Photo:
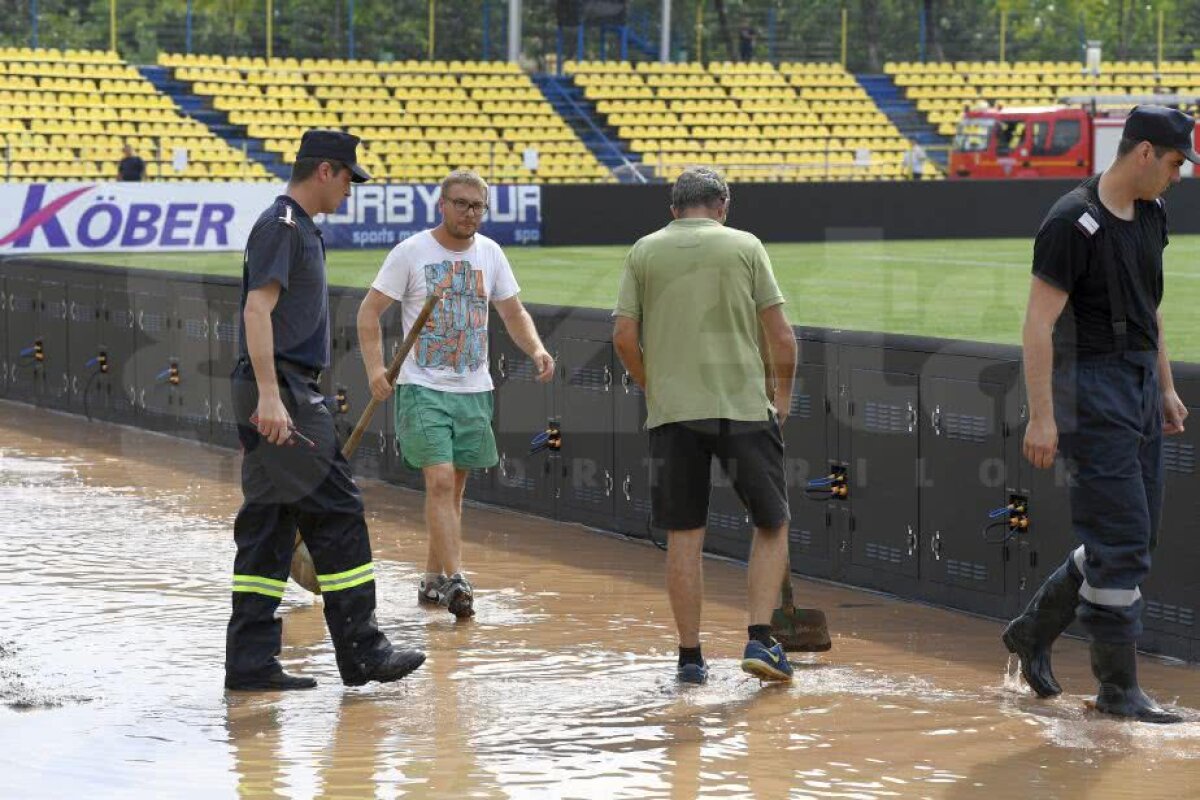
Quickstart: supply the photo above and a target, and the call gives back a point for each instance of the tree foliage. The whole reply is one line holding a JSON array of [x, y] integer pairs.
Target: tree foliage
[[878, 30]]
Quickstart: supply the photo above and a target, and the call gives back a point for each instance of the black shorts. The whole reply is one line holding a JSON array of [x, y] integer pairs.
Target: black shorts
[[750, 454]]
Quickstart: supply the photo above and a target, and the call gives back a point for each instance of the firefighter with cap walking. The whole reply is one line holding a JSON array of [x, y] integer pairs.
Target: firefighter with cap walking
[[1100, 392], [293, 474]]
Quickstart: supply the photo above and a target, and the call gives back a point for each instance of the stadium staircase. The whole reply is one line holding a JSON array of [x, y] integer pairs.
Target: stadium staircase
[[201, 110], [904, 115], [569, 103], [643, 32]]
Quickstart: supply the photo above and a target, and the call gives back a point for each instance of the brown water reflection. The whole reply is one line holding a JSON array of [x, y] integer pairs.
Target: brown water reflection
[[114, 583]]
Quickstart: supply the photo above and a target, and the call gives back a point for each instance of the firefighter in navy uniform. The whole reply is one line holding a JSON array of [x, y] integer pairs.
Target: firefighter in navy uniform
[[1100, 390], [293, 474]]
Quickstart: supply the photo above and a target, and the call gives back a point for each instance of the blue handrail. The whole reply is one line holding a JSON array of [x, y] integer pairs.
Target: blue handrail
[[588, 119]]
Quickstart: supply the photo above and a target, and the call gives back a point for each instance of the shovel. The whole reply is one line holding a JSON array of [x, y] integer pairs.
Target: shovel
[[799, 630], [303, 571]]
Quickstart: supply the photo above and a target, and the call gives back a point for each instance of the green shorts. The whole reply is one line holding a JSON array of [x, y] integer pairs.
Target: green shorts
[[435, 427]]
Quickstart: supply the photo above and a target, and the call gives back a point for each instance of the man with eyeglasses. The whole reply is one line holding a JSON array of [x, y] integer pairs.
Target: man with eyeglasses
[[444, 390]]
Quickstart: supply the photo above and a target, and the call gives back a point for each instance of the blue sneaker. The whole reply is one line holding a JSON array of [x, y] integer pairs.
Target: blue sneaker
[[766, 663], [692, 673]]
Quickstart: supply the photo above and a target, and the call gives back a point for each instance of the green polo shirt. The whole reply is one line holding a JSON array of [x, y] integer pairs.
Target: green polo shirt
[[697, 287]]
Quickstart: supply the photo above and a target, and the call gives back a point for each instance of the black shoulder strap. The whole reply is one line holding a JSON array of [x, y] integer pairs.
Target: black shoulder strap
[[1089, 223]]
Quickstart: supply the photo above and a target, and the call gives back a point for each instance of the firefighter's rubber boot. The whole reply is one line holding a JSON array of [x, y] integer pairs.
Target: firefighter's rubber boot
[[1115, 665], [392, 667], [1031, 635]]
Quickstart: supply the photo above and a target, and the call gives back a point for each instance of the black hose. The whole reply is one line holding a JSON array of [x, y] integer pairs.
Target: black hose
[[1010, 534], [87, 388]]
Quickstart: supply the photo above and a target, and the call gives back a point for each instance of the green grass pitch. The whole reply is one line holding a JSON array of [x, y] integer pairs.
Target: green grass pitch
[[959, 289]]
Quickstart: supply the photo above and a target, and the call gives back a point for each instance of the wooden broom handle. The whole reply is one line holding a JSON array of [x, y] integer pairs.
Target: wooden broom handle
[[392, 371]]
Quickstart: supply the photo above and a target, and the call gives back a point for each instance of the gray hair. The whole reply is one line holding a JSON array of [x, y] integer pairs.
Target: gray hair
[[699, 186], [464, 177]]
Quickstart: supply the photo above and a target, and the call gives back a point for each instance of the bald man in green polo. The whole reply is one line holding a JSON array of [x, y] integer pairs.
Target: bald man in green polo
[[692, 302]]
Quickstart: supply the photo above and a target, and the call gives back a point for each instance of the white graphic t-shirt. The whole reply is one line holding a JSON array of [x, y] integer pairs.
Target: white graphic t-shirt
[[451, 354]]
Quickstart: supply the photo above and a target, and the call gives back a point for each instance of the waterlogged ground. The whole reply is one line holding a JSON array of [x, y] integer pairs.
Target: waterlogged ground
[[114, 586]]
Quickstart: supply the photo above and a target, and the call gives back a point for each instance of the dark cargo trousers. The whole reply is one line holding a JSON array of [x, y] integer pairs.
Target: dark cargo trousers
[[1109, 414], [310, 489]]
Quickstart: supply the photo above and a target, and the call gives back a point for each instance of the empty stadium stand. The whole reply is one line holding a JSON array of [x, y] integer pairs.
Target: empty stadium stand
[[65, 115], [418, 119], [796, 122], [943, 90]]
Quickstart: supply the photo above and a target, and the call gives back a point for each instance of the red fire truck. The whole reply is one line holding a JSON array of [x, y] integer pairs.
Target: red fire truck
[[1067, 141]]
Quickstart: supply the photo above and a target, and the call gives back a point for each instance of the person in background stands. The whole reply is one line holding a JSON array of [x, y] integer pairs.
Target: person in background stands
[[131, 168], [747, 35]]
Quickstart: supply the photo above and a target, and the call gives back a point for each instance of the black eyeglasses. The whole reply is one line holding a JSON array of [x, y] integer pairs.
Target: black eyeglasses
[[463, 206]]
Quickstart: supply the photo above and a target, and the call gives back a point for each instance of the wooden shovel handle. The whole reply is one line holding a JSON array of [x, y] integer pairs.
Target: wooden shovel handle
[[788, 602]]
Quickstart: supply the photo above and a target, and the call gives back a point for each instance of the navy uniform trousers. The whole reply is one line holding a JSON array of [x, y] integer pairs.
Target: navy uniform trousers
[[1109, 414], [290, 488]]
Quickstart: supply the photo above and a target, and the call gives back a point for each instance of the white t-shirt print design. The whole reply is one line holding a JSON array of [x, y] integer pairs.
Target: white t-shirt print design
[[451, 353], [456, 336]]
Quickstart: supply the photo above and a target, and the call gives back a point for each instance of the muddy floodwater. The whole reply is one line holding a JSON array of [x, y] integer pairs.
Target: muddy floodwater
[[114, 587]]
